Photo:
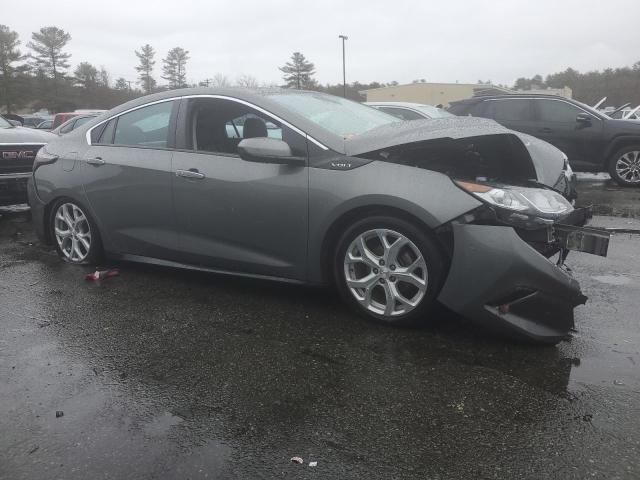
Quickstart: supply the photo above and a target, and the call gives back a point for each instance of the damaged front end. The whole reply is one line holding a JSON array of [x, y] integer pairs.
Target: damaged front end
[[508, 256], [503, 271]]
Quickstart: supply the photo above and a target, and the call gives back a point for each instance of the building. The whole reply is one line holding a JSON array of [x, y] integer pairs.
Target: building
[[445, 93], [431, 93]]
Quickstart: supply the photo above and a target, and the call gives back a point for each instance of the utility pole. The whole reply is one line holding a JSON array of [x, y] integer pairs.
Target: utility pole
[[344, 73], [206, 82], [129, 83]]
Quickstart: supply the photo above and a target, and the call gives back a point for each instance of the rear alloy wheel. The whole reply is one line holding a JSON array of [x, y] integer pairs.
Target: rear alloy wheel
[[388, 270], [625, 166], [75, 235]]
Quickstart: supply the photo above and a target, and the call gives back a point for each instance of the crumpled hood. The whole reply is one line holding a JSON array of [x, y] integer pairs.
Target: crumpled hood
[[400, 133], [25, 135], [547, 159]]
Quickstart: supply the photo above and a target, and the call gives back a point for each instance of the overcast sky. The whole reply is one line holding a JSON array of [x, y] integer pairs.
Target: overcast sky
[[441, 41]]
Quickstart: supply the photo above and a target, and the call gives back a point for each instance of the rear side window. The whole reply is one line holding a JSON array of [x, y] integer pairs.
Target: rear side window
[[509, 110], [557, 111], [402, 113], [144, 127]]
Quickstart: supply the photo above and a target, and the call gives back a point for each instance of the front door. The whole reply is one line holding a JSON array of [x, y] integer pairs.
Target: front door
[[127, 180], [232, 214]]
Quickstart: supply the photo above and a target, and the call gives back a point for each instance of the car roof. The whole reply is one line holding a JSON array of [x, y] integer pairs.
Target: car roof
[[400, 104], [258, 97]]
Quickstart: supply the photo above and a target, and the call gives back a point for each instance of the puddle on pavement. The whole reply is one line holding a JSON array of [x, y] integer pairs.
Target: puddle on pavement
[[613, 279], [162, 424]]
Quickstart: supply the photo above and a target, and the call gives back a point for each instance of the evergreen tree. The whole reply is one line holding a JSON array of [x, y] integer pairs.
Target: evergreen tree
[[145, 68], [298, 73], [48, 44], [174, 68], [86, 75], [121, 84], [9, 55]]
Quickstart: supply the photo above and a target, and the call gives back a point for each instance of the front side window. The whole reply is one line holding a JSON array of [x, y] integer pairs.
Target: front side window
[[510, 110], [339, 116], [144, 127], [402, 113], [219, 125], [557, 111]]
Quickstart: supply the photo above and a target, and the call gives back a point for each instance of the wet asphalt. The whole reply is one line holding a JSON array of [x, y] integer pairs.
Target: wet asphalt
[[161, 373]]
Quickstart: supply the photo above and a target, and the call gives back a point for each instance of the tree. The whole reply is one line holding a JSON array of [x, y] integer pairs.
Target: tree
[[9, 55], [298, 73], [86, 75], [220, 80], [247, 81], [104, 79], [145, 68], [174, 68], [121, 84], [47, 45]]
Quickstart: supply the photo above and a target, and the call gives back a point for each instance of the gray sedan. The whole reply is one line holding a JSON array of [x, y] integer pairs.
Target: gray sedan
[[309, 188]]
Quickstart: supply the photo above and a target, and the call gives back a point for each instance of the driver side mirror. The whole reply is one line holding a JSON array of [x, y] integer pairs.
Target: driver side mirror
[[584, 119], [268, 150]]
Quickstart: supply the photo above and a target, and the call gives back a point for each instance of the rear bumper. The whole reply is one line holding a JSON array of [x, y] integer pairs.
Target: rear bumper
[[498, 280], [13, 188]]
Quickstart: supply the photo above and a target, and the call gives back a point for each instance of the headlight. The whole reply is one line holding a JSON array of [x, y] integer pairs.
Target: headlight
[[531, 201]]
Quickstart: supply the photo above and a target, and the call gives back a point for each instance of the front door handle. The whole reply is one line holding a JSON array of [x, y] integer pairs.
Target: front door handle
[[191, 173], [97, 162], [546, 130]]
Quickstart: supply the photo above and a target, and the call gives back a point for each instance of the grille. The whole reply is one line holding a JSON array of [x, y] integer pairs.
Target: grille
[[18, 158]]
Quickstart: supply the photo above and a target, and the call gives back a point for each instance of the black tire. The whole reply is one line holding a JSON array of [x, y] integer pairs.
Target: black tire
[[95, 253], [433, 256], [613, 163]]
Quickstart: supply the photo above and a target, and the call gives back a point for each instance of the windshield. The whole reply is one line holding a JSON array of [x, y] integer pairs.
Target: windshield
[[434, 112], [338, 115], [4, 123]]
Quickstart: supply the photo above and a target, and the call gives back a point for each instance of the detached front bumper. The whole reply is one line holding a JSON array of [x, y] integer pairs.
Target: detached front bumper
[[500, 281]]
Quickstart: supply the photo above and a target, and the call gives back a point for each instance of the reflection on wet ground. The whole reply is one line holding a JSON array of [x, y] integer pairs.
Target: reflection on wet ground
[[168, 374]]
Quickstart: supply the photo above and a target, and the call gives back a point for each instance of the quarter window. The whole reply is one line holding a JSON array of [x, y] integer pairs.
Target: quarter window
[[557, 111], [145, 127], [510, 110], [107, 134]]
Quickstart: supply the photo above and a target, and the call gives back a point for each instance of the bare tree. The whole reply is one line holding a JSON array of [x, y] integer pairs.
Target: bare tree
[[220, 80], [247, 81]]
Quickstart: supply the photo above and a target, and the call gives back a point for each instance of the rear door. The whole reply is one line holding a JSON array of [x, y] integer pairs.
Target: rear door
[[232, 214], [127, 180], [514, 113]]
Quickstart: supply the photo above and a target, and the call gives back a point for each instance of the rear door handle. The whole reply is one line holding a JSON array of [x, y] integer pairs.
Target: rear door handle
[[97, 162], [546, 130], [191, 173]]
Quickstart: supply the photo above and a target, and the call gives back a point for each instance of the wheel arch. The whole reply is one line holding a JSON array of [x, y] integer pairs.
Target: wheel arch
[[618, 143], [339, 224]]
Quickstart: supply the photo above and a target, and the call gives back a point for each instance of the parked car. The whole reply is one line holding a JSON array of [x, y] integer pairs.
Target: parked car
[[73, 123], [410, 111], [46, 125], [592, 141], [547, 159], [397, 215], [60, 118], [32, 121], [18, 149]]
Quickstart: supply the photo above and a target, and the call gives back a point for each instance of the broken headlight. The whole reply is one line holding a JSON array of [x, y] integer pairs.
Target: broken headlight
[[525, 200]]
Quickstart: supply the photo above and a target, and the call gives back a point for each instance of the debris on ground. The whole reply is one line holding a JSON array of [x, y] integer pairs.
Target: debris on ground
[[102, 274], [313, 464], [297, 460], [59, 413]]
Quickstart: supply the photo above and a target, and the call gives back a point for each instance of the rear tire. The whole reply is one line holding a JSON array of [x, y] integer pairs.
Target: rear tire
[[74, 233], [388, 270], [624, 166]]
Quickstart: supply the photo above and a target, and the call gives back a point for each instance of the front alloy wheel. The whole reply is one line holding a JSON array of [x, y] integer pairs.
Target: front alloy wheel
[[389, 269], [385, 272]]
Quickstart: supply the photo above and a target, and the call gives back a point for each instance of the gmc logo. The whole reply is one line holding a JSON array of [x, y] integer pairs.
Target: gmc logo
[[23, 155]]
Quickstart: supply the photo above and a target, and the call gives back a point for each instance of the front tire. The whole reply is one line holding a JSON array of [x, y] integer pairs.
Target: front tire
[[388, 270], [74, 233], [624, 166]]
